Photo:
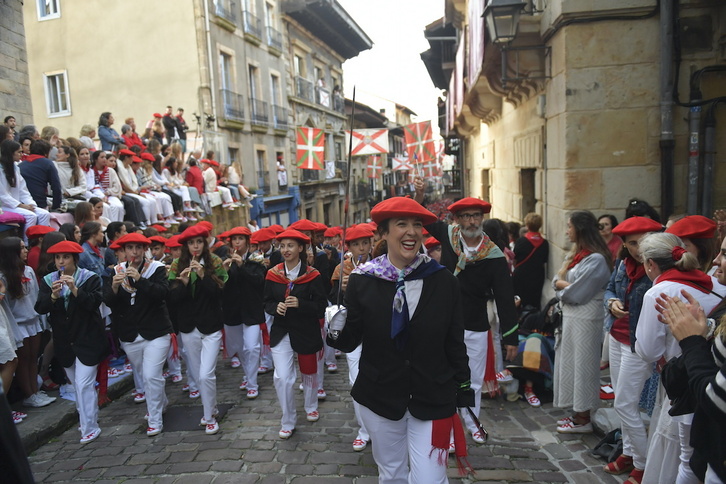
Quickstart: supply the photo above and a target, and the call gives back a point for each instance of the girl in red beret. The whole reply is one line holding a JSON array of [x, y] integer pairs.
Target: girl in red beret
[[72, 296], [197, 280], [294, 294]]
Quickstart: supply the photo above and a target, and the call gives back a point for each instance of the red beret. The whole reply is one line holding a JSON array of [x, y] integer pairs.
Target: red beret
[[159, 228], [223, 235], [304, 225], [295, 235], [401, 207], [157, 115], [331, 232], [66, 247], [361, 231], [114, 246], [158, 239], [470, 203], [693, 227], [637, 225], [126, 152], [197, 230], [320, 227], [134, 238], [239, 231], [173, 241], [277, 228], [38, 231], [431, 242], [207, 225], [136, 159], [147, 156], [263, 235]]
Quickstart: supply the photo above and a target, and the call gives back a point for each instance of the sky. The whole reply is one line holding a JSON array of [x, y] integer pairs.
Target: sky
[[392, 71]]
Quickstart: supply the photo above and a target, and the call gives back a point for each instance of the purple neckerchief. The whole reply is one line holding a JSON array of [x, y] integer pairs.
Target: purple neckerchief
[[381, 268]]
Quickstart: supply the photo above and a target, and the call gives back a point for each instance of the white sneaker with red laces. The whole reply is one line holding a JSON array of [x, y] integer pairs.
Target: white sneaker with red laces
[[285, 434], [91, 437], [176, 378], [243, 385], [575, 428], [252, 394], [235, 363], [359, 445], [151, 431], [212, 428], [321, 394], [313, 416], [139, 398], [194, 394]]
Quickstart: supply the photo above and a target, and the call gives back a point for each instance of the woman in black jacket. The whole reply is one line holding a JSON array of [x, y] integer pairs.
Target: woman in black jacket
[[242, 307], [136, 295], [295, 295], [197, 279], [404, 308], [72, 296]]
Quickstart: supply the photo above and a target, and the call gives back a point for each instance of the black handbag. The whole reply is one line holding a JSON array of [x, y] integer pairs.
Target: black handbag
[[675, 381], [610, 447]]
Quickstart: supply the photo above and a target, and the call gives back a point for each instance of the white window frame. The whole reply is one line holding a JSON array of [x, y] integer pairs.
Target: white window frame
[[40, 5], [46, 80]]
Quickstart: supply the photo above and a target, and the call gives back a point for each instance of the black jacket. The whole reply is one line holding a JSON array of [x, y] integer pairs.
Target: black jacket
[[148, 315], [479, 282], [197, 305], [243, 292], [78, 331], [425, 376], [301, 323], [528, 278]]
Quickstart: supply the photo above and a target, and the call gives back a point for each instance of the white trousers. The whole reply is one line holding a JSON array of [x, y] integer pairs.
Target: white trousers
[[183, 192], [147, 358], [477, 343], [245, 342], [353, 365], [266, 356], [402, 450], [174, 365], [147, 206], [711, 476], [37, 217], [114, 209], [83, 379], [283, 357], [201, 354], [225, 194], [163, 203], [634, 372]]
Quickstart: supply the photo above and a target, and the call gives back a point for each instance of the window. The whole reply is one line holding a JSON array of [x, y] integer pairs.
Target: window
[[527, 187], [270, 15], [233, 154], [225, 69], [299, 64], [56, 94], [253, 72], [263, 176], [48, 9]]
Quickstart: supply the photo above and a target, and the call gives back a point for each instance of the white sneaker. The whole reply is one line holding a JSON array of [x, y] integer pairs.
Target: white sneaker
[[36, 401], [44, 396]]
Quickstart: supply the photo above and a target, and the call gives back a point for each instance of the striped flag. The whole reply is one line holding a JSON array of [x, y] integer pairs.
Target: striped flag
[[375, 167], [310, 148], [419, 141], [401, 163], [368, 141]]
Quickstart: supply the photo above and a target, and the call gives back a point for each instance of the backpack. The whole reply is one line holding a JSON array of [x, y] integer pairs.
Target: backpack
[[610, 447]]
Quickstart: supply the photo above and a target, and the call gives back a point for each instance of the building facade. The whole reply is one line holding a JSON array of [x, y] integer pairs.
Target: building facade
[[580, 111], [14, 81]]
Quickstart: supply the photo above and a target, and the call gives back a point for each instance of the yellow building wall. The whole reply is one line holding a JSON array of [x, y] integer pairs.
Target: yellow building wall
[[131, 58]]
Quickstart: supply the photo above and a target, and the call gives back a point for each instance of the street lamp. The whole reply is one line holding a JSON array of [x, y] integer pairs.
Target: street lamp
[[502, 19]]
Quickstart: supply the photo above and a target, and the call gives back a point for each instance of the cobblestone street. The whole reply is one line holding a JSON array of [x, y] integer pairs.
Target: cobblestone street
[[523, 446]]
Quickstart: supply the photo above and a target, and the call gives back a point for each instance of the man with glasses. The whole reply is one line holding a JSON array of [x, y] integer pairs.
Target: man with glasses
[[483, 274]]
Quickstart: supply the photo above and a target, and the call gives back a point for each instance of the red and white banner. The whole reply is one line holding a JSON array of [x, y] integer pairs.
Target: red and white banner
[[368, 141], [401, 164], [419, 142], [375, 167], [310, 148]]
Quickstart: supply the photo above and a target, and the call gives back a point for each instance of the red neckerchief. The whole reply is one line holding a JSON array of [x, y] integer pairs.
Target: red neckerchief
[[96, 250], [578, 258], [277, 274], [535, 238], [693, 278], [635, 271], [32, 158], [84, 168], [101, 177]]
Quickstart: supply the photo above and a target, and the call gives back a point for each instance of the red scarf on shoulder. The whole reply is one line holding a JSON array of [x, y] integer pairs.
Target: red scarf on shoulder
[[635, 271], [535, 238], [578, 258], [693, 278]]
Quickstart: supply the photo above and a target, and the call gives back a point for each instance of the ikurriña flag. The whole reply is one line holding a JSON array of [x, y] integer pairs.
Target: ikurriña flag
[[419, 141], [368, 141], [374, 167], [310, 148]]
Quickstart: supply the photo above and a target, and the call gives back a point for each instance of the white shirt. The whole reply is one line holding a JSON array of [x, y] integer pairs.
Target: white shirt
[[11, 197], [65, 173], [210, 180], [293, 273], [128, 177]]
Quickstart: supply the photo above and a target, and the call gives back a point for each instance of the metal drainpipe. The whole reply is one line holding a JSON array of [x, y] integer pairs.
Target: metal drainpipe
[[210, 58], [694, 124], [709, 154], [667, 141]]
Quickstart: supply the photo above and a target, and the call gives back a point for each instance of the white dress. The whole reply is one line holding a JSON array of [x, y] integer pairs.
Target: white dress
[[577, 361], [7, 338]]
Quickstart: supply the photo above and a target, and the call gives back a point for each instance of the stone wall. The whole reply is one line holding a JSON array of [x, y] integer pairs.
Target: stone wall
[[14, 84]]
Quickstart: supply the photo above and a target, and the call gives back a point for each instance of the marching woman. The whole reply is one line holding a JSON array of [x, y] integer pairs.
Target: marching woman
[[242, 306], [72, 296], [580, 285], [197, 279], [136, 296], [405, 310], [623, 300], [294, 294], [358, 240], [672, 269]]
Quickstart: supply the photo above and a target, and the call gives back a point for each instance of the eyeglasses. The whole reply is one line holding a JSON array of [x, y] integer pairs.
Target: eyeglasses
[[470, 216]]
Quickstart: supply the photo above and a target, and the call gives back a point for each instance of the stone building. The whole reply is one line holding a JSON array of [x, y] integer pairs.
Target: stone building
[[14, 84], [321, 36], [572, 114], [238, 68]]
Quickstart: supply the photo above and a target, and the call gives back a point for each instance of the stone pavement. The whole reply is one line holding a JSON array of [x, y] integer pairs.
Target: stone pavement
[[523, 446]]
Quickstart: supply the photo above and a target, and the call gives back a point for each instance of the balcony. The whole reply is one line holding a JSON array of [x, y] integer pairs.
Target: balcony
[[252, 27], [322, 96], [225, 13], [259, 113], [233, 105], [338, 102], [274, 40], [279, 117], [303, 88]]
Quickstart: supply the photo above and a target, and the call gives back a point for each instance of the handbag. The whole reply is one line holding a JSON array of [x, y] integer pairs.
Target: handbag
[[610, 447], [675, 381]]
